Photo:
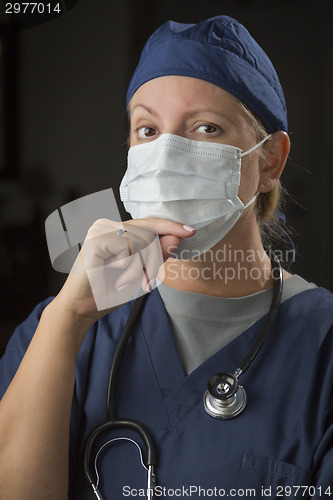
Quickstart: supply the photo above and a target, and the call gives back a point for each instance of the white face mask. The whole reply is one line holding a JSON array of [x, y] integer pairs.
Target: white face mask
[[192, 182]]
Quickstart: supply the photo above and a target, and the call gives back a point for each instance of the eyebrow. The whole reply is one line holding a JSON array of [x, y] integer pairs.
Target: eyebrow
[[146, 108], [188, 114], [206, 110]]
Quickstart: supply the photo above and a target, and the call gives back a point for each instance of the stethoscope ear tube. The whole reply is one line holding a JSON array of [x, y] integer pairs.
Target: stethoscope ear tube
[[114, 423], [118, 424]]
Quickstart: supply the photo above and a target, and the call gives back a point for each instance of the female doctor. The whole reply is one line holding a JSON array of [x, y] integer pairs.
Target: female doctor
[[208, 143]]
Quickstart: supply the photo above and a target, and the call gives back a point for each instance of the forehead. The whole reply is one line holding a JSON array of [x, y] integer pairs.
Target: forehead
[[184, 93]]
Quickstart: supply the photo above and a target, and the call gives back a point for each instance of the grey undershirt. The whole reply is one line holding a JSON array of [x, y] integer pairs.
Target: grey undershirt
[[204, 324]]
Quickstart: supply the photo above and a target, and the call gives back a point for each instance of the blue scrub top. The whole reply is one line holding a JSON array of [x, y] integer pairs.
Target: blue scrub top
[[281, 444]]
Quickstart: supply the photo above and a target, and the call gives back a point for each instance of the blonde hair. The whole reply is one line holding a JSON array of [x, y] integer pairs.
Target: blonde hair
[[267, 204]]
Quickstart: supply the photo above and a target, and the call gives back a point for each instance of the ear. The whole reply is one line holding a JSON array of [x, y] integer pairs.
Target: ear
[[277, 150]]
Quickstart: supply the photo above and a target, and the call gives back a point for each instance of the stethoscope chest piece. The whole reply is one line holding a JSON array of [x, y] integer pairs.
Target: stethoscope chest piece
[[224, 397]]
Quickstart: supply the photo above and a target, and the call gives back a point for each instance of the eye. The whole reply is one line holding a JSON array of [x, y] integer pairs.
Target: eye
[[207, 129], [146, 132]]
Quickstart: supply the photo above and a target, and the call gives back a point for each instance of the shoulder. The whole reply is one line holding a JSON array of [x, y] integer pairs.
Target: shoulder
[[313, 301], [308, 314], [24, 332], [109, 327], [18, 344]]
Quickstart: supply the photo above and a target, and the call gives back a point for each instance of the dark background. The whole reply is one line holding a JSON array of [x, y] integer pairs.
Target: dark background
[[65, 124]]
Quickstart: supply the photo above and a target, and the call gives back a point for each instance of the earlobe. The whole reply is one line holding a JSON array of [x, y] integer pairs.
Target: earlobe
[[277, 151]]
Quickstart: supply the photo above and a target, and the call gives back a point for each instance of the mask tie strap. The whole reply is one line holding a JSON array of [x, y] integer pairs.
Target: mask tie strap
[[256, 146], [251, 201]]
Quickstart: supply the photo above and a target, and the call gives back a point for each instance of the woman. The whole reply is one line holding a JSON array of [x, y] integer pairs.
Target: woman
[[201, 95]]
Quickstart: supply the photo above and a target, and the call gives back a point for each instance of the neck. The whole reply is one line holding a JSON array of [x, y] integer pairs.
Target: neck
[[237, 266]]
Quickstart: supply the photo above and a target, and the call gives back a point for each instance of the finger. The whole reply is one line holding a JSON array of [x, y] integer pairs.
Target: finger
[[98, 285], [171, 233], [133, 273], [136, 239], [103, 226], [118, 262], [101, 248], [102, 283], [164, 226], [152, 259]]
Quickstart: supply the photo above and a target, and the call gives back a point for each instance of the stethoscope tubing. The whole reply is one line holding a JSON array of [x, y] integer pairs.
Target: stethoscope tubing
[[270, 317], [111, 394], [114, 423]]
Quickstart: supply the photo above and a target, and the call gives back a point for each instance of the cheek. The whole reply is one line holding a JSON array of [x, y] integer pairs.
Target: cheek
[[250, 175]]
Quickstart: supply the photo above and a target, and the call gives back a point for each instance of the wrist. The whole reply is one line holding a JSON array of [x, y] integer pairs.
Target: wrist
[[67, 324]]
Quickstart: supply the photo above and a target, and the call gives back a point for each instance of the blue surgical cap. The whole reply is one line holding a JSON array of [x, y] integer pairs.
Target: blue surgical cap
[[221, 51]]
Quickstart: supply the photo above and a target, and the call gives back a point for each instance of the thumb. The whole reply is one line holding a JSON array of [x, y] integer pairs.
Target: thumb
[[170, 242]]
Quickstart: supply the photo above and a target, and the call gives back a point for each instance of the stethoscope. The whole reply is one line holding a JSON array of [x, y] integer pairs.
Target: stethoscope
[[224, 398]]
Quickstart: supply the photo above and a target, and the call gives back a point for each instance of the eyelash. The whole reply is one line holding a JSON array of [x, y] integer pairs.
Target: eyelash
[[137, 131], [216, 127], [217, 130]]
